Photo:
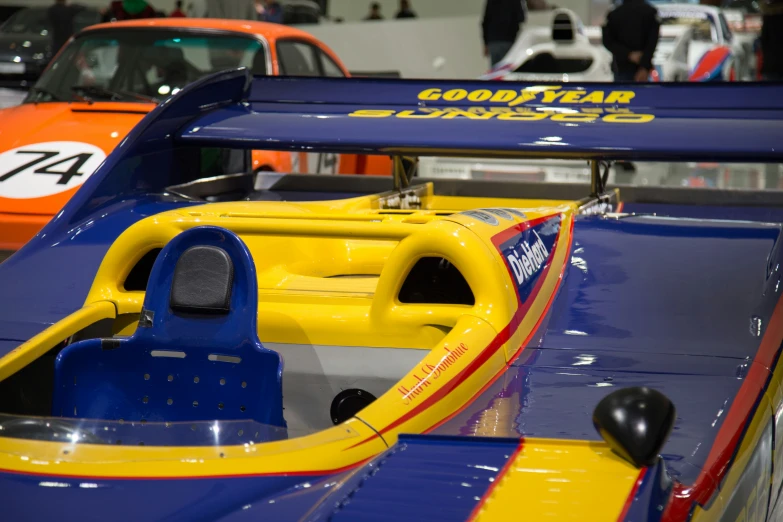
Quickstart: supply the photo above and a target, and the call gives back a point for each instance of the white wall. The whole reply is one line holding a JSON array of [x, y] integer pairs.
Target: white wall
[[422, 48], [353, 10]]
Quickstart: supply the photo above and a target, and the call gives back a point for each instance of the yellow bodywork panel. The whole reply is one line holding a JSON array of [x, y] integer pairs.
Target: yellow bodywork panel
[[561, 480], [330, 274]]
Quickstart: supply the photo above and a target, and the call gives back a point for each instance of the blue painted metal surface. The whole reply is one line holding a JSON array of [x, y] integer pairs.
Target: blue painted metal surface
[[688, 343], [50, 497], [552, 394], [390, 115], [763, 214], [639, 285], [422, 478], [651, 496], [50, 277], [126, 380], [385, 91]]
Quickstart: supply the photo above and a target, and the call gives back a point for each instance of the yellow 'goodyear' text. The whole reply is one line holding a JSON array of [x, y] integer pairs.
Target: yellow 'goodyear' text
[[538, 95]]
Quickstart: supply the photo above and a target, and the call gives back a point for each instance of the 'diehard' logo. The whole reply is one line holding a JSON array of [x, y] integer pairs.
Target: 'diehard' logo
[[543, 95], [526, 260]]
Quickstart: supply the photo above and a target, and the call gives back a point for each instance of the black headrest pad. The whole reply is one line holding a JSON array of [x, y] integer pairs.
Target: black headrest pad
[[202, 281]]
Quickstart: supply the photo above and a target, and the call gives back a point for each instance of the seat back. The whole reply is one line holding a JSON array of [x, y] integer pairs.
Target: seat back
[[195, 354]]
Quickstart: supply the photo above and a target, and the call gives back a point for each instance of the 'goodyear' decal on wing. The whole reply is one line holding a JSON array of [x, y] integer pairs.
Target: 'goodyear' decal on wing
[[533, 95]]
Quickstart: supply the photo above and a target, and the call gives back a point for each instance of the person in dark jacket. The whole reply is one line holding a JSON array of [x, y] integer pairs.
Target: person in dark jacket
[[631, 35], [375, 12], [500, 27], [772, 42], [405, 10], [60, 17]]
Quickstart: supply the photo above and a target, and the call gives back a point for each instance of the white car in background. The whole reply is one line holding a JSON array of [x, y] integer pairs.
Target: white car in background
[[558, 52], [696, 44]]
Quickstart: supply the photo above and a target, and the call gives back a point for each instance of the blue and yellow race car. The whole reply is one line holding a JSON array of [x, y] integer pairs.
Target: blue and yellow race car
[[185, 341]]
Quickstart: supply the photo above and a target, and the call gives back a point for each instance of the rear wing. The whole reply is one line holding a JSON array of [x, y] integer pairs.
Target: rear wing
[[233, 110], [501, 119]]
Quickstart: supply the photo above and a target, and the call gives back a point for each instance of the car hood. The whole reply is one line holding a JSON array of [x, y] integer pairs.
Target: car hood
[[65, 140]]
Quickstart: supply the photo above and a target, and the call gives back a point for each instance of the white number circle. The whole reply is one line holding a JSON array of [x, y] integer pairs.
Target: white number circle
[[43, 169]]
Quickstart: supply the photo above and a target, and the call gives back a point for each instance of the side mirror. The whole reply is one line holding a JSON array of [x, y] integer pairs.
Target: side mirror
[[635, 422]]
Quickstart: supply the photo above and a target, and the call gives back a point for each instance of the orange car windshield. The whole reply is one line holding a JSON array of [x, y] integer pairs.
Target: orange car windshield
[[142, 65]]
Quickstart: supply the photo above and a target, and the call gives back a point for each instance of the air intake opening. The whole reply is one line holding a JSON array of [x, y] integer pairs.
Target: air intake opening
[[434, 280], [140, 274], [546, 63]]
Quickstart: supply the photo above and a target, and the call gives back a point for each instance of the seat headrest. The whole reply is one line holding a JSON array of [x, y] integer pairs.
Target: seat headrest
[[203, 278]]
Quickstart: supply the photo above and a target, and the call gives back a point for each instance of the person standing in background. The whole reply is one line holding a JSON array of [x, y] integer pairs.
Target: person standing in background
[[405, 10], [772, 42], [232, 9], [375, 12], [272, 12], [500, 27], [178, 12], [631, 35], [129, 10], [60, 17]]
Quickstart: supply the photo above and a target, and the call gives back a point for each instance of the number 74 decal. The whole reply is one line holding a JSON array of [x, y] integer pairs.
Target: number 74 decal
[[22, 169], [43, 156]]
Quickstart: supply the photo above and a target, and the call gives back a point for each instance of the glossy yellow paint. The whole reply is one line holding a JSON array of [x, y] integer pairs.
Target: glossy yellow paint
[[329, 273], [324, 265], [561, 480], [27, 352]]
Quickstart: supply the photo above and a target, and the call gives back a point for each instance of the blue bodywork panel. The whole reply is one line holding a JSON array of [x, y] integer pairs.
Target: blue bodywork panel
[[91, 499], [763, 214], [420, 478], [687, 343], [676, 304]]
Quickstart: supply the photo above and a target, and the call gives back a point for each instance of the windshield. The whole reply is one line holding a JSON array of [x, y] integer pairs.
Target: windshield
[[701, 23], [34, 21], [748, 6], [142, 65], [192, 433], [27, 21]]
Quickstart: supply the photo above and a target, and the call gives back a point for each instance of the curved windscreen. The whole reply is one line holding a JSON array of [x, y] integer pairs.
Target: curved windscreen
[[123, 433], [135, 65]]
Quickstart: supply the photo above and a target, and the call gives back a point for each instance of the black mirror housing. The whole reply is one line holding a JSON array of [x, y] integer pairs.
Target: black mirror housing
[[635, 422]]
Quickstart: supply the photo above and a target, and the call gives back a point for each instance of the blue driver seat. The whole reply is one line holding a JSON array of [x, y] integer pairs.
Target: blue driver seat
[[195, 355]]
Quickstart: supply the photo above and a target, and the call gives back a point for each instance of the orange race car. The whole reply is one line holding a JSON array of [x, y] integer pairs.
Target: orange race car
[[109, 76]]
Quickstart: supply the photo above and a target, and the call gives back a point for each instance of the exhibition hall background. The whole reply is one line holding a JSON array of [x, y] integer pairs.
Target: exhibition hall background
[[443, 42]]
